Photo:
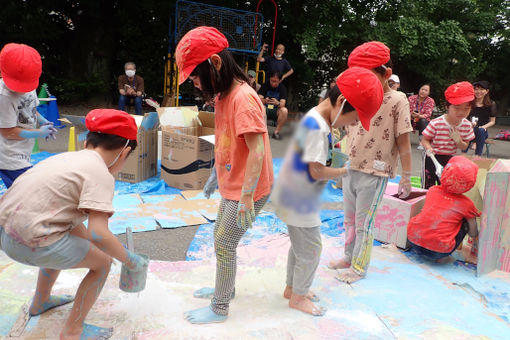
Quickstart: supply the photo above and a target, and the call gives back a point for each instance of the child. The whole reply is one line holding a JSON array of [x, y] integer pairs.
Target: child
[[445, 134], [447, 215], [373, 159], [21, 67], [243, 155], [305, 171], [41, 219]]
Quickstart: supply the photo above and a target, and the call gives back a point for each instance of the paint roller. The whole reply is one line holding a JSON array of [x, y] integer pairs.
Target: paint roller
[[132, 282], [439, 167]]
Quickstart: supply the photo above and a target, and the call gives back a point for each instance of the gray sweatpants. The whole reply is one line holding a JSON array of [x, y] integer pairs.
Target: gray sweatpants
[[362, 195], [304, 256], [226, 238]]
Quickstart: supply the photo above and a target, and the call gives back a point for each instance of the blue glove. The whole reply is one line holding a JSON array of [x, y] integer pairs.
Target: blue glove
[[136, 262], [45, 131], [211, 184], [50, 129]]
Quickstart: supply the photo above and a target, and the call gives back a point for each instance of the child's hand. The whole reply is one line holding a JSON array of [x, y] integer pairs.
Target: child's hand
[[48, 131], [404, 186], [245, 212], [454, 134], [136, 262], [211, 184]]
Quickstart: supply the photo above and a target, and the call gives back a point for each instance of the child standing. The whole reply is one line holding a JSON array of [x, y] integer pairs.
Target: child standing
[[357, 94], [445, 134], [42, 214], [373, 159], [447, 215], [21, 67], [243, 155]]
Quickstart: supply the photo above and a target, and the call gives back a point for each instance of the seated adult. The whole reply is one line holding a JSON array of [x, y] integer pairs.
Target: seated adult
[[276, 64], [324, 93], [253, 82], [274, 97], [421, 107], [394, 82], [131, 87]]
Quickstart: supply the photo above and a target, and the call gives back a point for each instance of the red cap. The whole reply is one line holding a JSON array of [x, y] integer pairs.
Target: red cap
[[369, 55], [459, 175], [197, 46], [21, 67], [112, 122], [458, 93], [363, 91]]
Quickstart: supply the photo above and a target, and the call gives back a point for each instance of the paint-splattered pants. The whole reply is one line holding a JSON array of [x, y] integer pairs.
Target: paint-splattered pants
[[362, 195], [226, 238], [304, 256]]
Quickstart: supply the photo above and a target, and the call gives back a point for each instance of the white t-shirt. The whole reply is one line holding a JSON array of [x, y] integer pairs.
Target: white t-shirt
[[56, 195], [296, 194], [16, 110]]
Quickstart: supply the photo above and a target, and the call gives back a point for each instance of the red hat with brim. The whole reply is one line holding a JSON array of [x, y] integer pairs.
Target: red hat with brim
[[21, 67], [458, 93], [369, 55], [363, 91], [459, 175], [197, 46], [112, 122]]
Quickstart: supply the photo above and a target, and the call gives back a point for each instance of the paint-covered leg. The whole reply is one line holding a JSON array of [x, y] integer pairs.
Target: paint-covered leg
[[91, 332], [203, 316], [208, 293], [39, 307], [349, 276], [302, 303], [339, 264], [287, 293]]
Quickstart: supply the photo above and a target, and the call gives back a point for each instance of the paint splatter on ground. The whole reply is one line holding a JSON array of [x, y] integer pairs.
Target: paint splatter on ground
[[400, 299]]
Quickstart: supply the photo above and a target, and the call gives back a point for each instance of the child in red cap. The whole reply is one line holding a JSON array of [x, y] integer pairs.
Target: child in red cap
[[20, 67], [42, 214], [448, 214], [373, 159], [242, 155], [445, 134], [357, 94]]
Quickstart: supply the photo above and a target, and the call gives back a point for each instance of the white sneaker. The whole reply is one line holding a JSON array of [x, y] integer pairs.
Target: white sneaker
[[420, 147]]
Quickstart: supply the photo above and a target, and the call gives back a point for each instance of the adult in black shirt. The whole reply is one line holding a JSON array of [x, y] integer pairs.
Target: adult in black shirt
[[482, 116], [276, 64], [274, 97]]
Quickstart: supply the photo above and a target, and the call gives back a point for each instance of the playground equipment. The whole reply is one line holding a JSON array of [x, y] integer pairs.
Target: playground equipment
[[243, 29]]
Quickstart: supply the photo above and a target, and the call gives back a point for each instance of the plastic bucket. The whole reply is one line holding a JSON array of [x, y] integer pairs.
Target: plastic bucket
[[133, 282]]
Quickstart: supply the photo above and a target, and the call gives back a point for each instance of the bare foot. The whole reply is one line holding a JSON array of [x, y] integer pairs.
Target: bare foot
[[287, 293], [340, 264], [349, 276], [445, 260], [302, 303]]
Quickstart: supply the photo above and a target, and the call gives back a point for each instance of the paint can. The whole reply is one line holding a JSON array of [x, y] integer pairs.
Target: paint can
[[133, 282], [130, 281], [338, 158]]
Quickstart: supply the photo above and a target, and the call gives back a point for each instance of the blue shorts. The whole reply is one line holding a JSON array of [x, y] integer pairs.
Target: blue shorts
[[8, 176], [64, 254]]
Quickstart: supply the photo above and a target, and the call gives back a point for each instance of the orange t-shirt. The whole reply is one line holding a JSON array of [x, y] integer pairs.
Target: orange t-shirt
[[240, 112]]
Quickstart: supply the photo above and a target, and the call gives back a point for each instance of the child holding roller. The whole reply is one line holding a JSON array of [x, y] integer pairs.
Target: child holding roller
[[357, 94], [445, 134], [42, 214], [242, 152]]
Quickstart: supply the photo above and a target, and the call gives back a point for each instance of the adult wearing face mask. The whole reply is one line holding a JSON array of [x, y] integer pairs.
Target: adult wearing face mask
[[275, 64], [131, 87]]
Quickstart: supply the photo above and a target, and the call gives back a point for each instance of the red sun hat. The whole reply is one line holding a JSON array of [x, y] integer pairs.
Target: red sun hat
[[195, 47], [112, 122], [458, 93], [21, 67], [369, 55], [363, 91], [459, 175]]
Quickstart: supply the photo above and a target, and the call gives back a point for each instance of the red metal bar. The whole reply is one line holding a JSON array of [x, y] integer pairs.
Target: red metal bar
[[274, 27]]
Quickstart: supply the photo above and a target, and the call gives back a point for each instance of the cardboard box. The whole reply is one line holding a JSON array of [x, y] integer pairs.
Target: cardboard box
[[393, 214], [494, 237], [476, 193], [186, 158], [142, 163]]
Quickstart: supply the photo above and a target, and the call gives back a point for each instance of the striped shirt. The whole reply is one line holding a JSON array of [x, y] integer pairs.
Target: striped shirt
[[438, 131]]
